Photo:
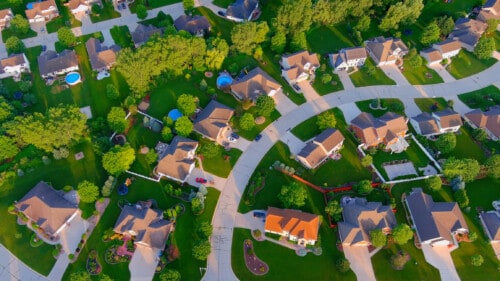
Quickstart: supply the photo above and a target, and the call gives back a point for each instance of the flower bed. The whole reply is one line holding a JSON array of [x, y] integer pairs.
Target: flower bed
[[93, 266], [253, 263], [112, 257], [35, 241]]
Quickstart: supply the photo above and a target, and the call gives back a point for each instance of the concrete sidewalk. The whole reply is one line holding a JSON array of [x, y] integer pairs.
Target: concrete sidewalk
[[11, 268]]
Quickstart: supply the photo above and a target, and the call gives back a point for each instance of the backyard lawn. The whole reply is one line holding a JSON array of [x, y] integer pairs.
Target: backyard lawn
[[320, 40], [420, 75], [370, 75], [393, 105], [466, 64], [121, 36], [482, 98]]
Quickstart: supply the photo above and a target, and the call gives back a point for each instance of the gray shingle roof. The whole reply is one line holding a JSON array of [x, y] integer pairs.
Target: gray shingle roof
[[192, 24], [50, 61], [242, 9]]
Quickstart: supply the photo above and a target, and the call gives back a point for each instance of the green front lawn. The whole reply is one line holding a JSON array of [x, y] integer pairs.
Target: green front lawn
[[152, 4], [466, 64], [326, 88], [482, 98], [393, 105], [420, 75], [107, 12], [251, 134], [425, 104], [362, 77], [221, 165], [6, 33], [121, 36]]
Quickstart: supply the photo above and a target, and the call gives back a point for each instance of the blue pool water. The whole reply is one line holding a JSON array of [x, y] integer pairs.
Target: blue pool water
[[174, 114], [73, 78], [224, 80]]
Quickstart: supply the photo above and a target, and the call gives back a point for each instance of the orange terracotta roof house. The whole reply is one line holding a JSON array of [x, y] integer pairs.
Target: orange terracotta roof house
[[488, 120], [293, 224]]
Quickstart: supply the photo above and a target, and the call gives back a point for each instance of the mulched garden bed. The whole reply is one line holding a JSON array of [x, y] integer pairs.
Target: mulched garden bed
[[253, 263], [112, 257], [93, 266]]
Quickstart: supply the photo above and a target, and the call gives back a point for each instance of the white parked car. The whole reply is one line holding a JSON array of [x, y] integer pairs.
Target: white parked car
[[231, 139]]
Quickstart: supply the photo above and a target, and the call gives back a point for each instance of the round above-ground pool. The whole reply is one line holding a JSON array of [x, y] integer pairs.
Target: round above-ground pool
[[174, 114], [224, 80], [73, 78]]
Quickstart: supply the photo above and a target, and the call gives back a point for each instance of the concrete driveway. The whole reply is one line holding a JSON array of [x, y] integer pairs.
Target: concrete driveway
[[108, 39], [294, 144], [308, 91], [361, 262], [346, 80], [440, 258], [143, 263], [71, 235], [393, 72], [442, 72], [283, 103], [218, 182], [350, 111], [248, 221], [411, 108]]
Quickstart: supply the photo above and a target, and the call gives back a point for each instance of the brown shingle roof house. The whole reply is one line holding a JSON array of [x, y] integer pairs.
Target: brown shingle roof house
[[255, 83], [52, 63], [177, 161], [101, 57], [5, 16], [389, 129], [298, 66], [386, 51], [488, 120], [360, 217], [195, 25], [491, 224], [320, 148], [435, 222], [13, 66], [213, 120], [47, 208], [294, 224], [42, 11], [437, 123], [468, 31], [143, 32], [146, 224], [490, 10]]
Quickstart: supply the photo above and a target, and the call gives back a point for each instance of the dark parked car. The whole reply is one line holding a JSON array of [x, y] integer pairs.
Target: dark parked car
[[259, 215], [44, 48], [221, 13], [258, 137], [296, 87], [235, 135]]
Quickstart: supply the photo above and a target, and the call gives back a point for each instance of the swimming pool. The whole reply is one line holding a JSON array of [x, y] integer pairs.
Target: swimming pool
[[174, 114], [224, 80], [73, 78]]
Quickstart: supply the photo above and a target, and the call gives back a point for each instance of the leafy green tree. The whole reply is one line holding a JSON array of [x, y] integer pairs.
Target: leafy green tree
[[378, 238], [166, 134], [205, 229], [183, 126], [112, 92], [492, 26], [326, 120], [141, 11], [434, 183], [265, 105], [60, 126], [293, 17], [468, 169], [363, 187], [299, 42], [196, 206], [8, 148], [343, 265], [116, 119], [201, 250], [217, 51], [19, 24], [247, 121], [211, 150], [461, 198], [446, 25], [431, 34], [476, 260], [278, 42], [88, 192], [293, 195], [188, 5], [367, 161], [334, 209], [446, 143], [186, 104], [66, 36], [16, 2], [6, 109], [170, 275], [402, 233], [14, 45], [80, 276], [493, 165], [326, 78], [405, 12], [414, 59], [151, 157], [118, 159], [363, 23], [247, 36], [484, 48], [479, 134]]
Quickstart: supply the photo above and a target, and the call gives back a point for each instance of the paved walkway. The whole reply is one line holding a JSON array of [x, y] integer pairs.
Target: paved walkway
[[11, 268], [393, 72], [346, 80], [441, 70], [440, 258]]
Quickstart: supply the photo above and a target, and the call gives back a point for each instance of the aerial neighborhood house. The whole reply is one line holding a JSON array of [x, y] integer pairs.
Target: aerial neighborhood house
[[41, 11], [143, 32], [321, 148], [52, 63], [243, 10], [101, 57], [150, 232], [48, 210], [81, 7], [389, 129], [177, 161], [213, 121], [5, 16], [488, 120], [298, 67], [195, 25], [436, 223], [443, 50], [13, 66], [490, 10], [360, 217], [437, 123], [347, 58], [386, 51], [491, 224], [255, 83], [468, 31], [293, 224]]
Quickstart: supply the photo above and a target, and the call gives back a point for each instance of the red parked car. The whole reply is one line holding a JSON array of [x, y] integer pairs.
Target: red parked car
[[201, 180]]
